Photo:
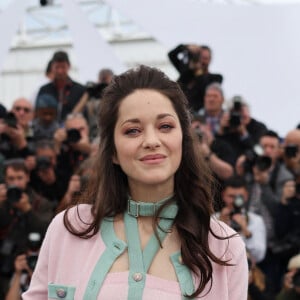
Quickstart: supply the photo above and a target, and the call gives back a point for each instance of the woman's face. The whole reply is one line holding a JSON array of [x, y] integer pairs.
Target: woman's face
[[148, 139]]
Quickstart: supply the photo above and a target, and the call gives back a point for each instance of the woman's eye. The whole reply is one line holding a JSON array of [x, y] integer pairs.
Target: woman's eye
[[132, 131], [166, 127]]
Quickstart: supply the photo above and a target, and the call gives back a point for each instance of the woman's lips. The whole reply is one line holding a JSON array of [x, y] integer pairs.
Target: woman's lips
[[153, 158]]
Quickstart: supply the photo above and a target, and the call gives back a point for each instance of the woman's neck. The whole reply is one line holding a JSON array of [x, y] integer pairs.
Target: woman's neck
[[150, 194]]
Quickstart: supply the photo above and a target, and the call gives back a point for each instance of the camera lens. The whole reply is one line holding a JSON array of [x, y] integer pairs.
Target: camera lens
[[263, 163], [13, 194], [291, 151], [73, 135], [43, 163], [32, 260]]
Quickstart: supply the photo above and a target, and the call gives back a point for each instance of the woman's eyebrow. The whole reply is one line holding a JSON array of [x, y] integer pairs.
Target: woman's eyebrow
[[161, 116], [136, 120]]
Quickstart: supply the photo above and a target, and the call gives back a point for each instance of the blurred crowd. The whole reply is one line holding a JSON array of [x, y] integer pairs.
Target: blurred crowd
[[47, 151]]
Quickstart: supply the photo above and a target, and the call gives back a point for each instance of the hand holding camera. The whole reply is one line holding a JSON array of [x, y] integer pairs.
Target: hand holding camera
[[17, 136], [21, 265], [17, 198], [23, 204]]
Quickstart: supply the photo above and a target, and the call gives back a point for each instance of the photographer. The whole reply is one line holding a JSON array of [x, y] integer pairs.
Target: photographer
[[249, 225], [213, 107], [24, 266], [215, 152], [287, 222], [238, 128], [47, 179], [291, 281], [65, 91], [16, 136], [91, 97], [21, 211], [192, 62], [72, 144]]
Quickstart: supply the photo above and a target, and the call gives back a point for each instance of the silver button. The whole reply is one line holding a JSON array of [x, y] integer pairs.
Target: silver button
[[137, 276], [61, 293], [180, 260]]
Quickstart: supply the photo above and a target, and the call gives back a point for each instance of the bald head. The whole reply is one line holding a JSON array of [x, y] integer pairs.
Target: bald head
[[23, 110], [293, 137]]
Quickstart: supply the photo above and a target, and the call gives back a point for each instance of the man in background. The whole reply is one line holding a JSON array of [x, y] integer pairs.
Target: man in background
[[66, 91]]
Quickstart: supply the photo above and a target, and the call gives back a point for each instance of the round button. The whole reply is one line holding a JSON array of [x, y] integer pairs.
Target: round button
[[61, 293], [180, 260], [137, 276]]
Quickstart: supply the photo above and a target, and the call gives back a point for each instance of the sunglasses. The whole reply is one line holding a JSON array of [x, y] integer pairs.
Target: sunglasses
[[19, 108]]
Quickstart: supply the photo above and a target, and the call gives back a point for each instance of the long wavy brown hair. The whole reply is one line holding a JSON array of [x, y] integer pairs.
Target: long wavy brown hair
[[108, 191]]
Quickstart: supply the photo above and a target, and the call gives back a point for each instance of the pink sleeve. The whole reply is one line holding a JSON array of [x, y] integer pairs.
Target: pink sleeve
[[238, 274]]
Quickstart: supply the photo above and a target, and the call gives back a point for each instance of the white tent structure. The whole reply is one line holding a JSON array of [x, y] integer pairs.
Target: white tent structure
[[255, 43]]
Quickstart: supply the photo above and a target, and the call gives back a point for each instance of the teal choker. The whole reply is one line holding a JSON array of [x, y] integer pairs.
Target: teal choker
[[146, 209]]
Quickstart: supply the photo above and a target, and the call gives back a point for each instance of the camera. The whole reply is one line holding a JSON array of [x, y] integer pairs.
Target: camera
[[255, 157], [10, 120], [296, 279], [291, 150], [199, 134], [73, 136], [235, 113], [95, 90], [238, 208], [13, 194], [34, 242], [43, 163]]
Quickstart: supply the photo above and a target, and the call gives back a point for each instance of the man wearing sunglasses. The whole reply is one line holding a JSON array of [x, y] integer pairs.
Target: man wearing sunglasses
[[15, 130], [23, 111]]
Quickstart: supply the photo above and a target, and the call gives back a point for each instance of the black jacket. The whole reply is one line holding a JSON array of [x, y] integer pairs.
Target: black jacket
[[71, 95]]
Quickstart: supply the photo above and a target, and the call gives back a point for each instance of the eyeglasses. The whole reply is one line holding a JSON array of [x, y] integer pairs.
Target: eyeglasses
[[19, 108]]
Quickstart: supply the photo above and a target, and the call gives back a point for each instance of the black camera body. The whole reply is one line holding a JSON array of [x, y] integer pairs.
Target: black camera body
[[199, 134], [32, 260], [73, 136], [13, 194], [34, 242], [10, 120], [291, 150], [254, 157], [235, 113], [95, 90], [43, 163], [238, 208]]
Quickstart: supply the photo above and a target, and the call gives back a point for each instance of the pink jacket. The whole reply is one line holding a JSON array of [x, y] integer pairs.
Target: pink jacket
[[66, 263]]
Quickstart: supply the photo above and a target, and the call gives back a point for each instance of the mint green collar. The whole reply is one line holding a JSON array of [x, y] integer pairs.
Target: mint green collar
[[147, 209]]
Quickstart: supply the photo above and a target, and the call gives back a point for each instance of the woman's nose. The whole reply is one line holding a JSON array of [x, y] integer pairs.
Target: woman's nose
[[151, 139]]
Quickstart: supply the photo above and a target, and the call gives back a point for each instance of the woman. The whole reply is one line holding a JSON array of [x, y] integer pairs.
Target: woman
[[151, 202]]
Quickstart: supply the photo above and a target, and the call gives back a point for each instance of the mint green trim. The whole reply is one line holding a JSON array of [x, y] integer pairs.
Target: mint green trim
[[57, 291], [136, 264], [184, 275], [153, 244], [139, 262], [147, 209], [114, 248]]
